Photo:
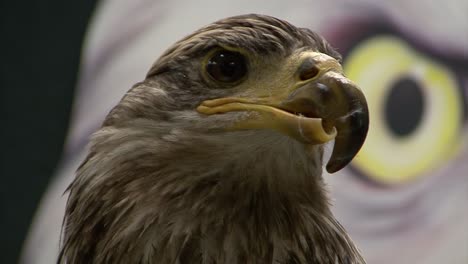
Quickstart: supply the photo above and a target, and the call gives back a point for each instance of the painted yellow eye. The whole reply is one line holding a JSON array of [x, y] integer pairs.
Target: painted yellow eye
[[415, 105]]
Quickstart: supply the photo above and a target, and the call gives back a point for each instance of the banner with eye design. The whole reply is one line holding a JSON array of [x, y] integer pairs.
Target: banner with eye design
[[404, 198], [418, 106], [407, 189], [418, 110]]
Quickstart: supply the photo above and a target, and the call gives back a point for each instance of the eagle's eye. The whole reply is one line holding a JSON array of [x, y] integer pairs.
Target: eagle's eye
[[227, 66]]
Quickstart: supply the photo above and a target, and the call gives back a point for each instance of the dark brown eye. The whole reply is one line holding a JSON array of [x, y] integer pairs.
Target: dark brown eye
[[227, 66]]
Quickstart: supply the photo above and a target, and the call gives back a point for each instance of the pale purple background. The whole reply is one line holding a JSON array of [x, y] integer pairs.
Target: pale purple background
[[425, 222]]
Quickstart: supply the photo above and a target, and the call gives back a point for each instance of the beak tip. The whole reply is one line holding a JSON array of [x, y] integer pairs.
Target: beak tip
[[353, 130], [335, 166]]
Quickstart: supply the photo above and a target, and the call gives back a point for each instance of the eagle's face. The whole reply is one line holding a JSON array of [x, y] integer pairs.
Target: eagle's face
[[220, 148], [250, 74]]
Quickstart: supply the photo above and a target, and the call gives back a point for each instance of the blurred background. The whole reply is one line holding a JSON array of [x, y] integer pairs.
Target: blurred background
[[403, 199]]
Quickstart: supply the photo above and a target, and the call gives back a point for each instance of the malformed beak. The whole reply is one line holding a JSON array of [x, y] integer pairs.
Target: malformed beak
[[325, 106]]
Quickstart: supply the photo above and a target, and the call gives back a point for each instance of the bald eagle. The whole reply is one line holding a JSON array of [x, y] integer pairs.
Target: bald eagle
[[217, 155]]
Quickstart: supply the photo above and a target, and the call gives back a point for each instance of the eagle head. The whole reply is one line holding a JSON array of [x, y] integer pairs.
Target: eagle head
[[216, 156]]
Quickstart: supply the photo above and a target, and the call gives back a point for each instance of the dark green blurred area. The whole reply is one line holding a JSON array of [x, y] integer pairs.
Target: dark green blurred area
[[41, 43]]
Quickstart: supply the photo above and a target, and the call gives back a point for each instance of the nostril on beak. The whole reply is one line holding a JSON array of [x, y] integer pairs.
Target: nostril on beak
[[308, 70], [324, 94], [324, 91]]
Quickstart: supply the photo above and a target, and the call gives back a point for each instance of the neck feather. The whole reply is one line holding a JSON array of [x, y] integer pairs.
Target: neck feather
[[218, 202]]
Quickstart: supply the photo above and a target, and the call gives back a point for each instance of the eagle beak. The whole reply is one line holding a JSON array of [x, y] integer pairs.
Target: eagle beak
[[340, 104], [325, 107]]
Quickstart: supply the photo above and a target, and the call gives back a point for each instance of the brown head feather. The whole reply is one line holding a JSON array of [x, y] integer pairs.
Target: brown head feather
[[162, 184]]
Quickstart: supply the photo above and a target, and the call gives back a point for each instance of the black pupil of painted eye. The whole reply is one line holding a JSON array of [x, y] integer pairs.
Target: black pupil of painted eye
[[404, 107], [227, 66]]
